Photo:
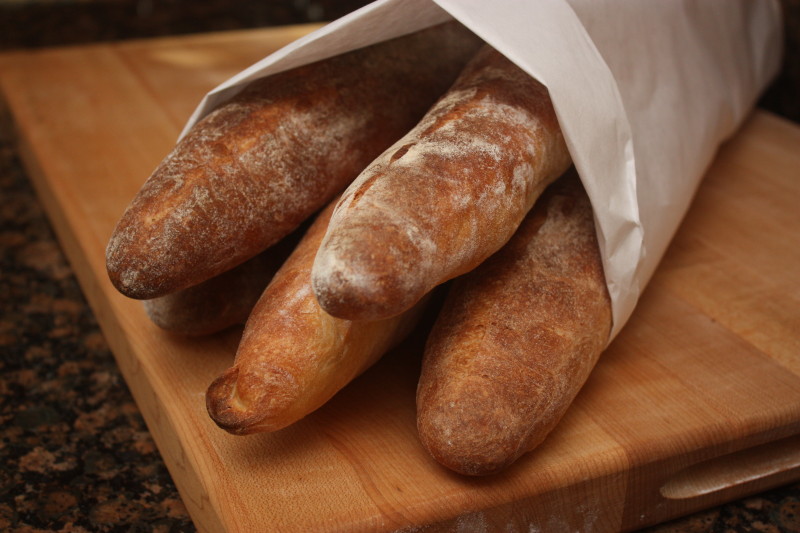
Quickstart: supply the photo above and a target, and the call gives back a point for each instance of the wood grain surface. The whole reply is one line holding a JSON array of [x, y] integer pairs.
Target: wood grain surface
[[697, 402]]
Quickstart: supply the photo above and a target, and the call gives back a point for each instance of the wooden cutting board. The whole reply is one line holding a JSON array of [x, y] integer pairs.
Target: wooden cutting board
[[697, 402]]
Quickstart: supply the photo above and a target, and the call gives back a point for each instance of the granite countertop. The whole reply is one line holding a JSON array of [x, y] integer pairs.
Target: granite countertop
[[75, 453]]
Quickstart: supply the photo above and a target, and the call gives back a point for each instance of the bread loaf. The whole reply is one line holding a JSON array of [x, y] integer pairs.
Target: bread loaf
[[293, 356], [444, 197], [516, 339], [222, 301], [215, 304], [252, 170]]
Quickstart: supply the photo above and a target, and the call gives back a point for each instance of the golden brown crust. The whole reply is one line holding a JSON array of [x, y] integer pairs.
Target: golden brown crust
[[445, 196], [293, 356], [222, 301], [516, 339], [255, 168]]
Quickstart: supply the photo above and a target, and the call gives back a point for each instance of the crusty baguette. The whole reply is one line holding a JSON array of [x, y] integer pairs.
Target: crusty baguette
[[222, 301], [215, 304], [293, 356], [256, 167], [444, 197], [516, 339]]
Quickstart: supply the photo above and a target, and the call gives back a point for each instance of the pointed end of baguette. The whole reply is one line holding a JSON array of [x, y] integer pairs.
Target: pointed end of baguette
[[243, 403], [134, 274], [357, 280], [473, 431]]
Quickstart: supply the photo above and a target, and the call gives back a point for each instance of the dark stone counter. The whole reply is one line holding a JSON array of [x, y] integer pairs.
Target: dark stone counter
[[75, 454]]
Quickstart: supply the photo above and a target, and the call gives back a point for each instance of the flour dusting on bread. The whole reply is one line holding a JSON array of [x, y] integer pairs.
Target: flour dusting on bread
[[445, 196]]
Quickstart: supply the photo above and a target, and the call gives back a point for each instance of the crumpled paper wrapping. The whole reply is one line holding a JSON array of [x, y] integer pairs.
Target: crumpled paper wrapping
[[645, 92]]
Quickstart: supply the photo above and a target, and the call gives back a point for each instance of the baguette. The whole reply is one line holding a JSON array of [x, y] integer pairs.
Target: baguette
[[444, 197], [293, 356], [252, 170], [516, 339], [222, 301]]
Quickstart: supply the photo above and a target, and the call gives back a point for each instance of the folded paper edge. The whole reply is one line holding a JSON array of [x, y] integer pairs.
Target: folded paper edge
[[292, 55]]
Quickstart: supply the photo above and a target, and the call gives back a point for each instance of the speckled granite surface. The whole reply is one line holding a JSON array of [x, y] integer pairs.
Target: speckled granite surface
[[75, 454]]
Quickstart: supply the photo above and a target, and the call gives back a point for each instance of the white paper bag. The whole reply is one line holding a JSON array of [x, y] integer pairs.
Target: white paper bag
[[645, 91]]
